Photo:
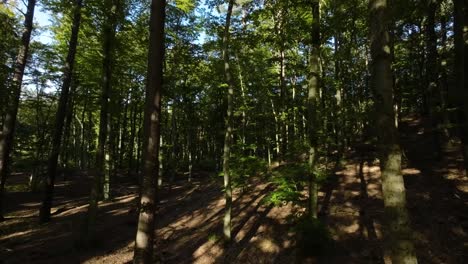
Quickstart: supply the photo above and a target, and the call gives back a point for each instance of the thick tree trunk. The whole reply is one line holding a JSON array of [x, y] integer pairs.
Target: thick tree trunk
[[9, 123], [228, 134], [398, 244], [145, 232], [44, 214], [312, 104]]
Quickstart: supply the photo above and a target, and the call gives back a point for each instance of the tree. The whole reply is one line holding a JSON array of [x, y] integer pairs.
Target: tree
[[460, 93], [44, 214], [398, 241], [143, 252], [228, 133], [8, 132], [101, 185], [314, 86]]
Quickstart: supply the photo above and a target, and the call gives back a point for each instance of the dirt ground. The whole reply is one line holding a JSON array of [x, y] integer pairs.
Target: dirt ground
[[189, 216]]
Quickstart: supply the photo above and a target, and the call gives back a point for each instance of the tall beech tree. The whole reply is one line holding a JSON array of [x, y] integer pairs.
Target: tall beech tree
[[312, 99], [9, 122], [101, 180], [143, 252], [44, 213], [228, 133], [103, 150], [398, 240]]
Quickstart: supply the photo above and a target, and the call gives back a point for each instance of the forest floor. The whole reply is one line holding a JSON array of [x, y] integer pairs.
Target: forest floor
[[189, 216]]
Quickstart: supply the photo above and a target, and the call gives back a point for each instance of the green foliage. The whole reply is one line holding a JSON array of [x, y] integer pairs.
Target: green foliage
[[213, 237], [20, 187], [244, 167], [289, 180]]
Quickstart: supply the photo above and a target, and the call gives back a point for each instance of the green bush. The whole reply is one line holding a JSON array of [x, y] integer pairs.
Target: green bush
[[289, 181], [244, 167]]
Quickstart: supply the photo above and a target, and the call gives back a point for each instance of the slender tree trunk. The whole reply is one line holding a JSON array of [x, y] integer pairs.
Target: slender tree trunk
[[228, 134], [432, 91], [131, 145], [465, 84], [312, 104], [100, 188], [460, 92], [66, 134], [145, 232], [9, 122], [44, 214], [398, 244], [443, 83]]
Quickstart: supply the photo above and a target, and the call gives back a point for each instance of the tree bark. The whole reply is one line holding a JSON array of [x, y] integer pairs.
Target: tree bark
[[312, 104], [228, 134], [143, 251], [9, 123], [44, 213], [460, 93], [100, 188], [397, 240], [432, 70]]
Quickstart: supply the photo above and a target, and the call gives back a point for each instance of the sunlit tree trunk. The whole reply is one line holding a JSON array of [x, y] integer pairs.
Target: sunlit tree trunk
[[398, 244], [312, 104], [44, 214], [143, 251], [228, 134], [9, 122]]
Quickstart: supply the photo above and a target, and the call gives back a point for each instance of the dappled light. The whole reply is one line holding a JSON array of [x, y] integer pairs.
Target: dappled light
[[236, 131]]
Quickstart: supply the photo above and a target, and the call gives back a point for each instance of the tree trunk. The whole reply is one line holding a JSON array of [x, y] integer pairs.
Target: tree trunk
[[228, 134], [432, 90], [44, 214], [465, 84], [66, 134], [314, 82], [460, 92], [100, 188], [443, 83], [398, 244], [9, 123], [145, 232]]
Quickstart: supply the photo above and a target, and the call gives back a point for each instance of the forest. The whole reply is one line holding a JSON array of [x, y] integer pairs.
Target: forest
[[234, 131]]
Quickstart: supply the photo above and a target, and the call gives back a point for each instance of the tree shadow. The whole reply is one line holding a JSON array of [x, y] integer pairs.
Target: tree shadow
[[435, 204]]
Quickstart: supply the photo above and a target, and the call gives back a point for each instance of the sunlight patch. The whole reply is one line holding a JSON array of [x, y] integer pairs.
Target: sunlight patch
[[411, 171]]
